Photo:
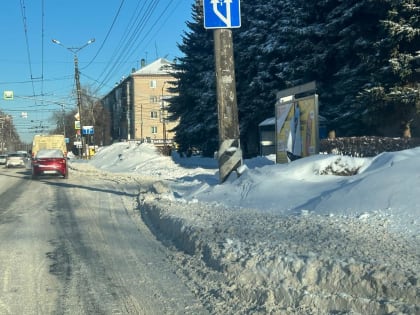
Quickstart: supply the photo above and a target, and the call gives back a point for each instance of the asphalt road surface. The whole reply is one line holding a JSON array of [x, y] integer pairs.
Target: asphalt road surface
[[79, 246]]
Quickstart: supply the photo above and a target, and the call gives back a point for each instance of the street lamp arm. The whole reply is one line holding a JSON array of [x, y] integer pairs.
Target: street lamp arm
[[77, 49], [73, 50]]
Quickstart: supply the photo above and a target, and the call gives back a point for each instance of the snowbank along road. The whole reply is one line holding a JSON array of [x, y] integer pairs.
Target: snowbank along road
[[251, 262], [265, 264]]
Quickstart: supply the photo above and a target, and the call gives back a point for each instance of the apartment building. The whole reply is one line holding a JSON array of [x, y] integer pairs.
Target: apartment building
[[138, 105]]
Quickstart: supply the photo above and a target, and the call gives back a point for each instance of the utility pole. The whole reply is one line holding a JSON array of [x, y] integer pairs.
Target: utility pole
[[230, 153], [63, 117], [222, 16], [79, 102], [74, 51]]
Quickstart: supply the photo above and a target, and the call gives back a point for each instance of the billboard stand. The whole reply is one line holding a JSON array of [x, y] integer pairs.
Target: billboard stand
[[297, 125]]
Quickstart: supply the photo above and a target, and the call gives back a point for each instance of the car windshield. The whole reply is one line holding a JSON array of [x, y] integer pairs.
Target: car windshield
[[17, 155], [49, 154]]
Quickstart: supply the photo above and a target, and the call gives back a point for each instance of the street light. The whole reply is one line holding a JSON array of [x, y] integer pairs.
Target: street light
[[74, 51]]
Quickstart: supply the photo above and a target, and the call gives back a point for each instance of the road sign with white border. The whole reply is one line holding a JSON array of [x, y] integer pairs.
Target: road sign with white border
[[88, 130], [8, 95], [222, 14]]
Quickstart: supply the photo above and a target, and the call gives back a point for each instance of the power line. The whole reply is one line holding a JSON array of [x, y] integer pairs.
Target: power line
[[127, 39], [23, 11], [107, 35], [162, 24]]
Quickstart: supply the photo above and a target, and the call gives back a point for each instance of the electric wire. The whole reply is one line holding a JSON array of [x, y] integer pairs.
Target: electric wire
[[129, 39], [142, 24], [137, 36], [160, 18], [127, 31], [123, 39], [107, 35], [134, 35], [24, 21]]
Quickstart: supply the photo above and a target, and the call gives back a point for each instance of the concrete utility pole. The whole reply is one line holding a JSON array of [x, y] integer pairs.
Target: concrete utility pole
[[74, 51], [230, 153], [79, 101], [222, 16]]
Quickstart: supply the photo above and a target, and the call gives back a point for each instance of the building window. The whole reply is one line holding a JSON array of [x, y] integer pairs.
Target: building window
[[154, 130], [153, 99], [153, 84], [154, 114]]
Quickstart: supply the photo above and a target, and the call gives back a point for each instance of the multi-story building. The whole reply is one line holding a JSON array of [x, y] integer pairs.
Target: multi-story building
[[138, 105]]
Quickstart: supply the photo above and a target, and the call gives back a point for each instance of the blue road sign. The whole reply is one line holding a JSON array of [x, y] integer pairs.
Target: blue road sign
[[222, 14], [88, 130]]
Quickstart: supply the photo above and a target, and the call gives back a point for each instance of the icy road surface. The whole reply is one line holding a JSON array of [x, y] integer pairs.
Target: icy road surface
[[79, 246]]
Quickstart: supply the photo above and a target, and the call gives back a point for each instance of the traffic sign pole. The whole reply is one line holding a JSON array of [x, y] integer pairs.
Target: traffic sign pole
[[229, 154], [222, 15]]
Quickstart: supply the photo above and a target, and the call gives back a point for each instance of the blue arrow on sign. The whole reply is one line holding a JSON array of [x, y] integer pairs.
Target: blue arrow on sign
[[222, 14]]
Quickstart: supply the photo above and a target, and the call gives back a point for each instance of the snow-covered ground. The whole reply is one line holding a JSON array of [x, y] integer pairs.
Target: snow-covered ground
[[326, 234]]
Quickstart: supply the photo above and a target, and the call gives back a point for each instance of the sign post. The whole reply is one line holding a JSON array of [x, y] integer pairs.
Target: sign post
[[222, 16]]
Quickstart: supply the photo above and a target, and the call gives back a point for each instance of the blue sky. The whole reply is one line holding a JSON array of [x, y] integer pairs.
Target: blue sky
[[41, 73]]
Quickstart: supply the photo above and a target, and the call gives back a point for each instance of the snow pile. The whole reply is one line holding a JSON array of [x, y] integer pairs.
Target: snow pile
[[322, 235], [144, 159]]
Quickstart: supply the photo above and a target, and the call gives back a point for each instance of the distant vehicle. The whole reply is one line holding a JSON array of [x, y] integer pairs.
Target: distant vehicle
[[3, 159], [40, 142], [16, 159], [49, 162]]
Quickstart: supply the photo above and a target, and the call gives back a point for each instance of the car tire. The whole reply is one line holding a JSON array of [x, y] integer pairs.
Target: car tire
[[66, 175]]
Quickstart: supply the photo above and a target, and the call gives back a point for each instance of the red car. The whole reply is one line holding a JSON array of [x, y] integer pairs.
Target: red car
[[49, 162]]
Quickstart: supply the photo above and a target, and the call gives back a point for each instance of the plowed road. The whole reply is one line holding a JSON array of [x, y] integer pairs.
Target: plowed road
[[79, 246]]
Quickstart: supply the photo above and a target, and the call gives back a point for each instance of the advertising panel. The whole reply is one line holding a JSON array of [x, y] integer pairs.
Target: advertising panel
[[284, 114], [310, 125], [297, 132]]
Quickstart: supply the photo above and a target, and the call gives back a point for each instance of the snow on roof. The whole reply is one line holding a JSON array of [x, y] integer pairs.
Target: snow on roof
[[159, 66], [268, 121]]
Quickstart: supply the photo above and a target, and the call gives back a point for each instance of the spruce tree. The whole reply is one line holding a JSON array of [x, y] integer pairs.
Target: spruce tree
[[391, 100], [257, 73], [360, 52], [196, 105]]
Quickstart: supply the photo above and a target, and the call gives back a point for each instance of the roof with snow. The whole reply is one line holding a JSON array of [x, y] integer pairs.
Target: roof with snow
[[160, 66], [268, 122]]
